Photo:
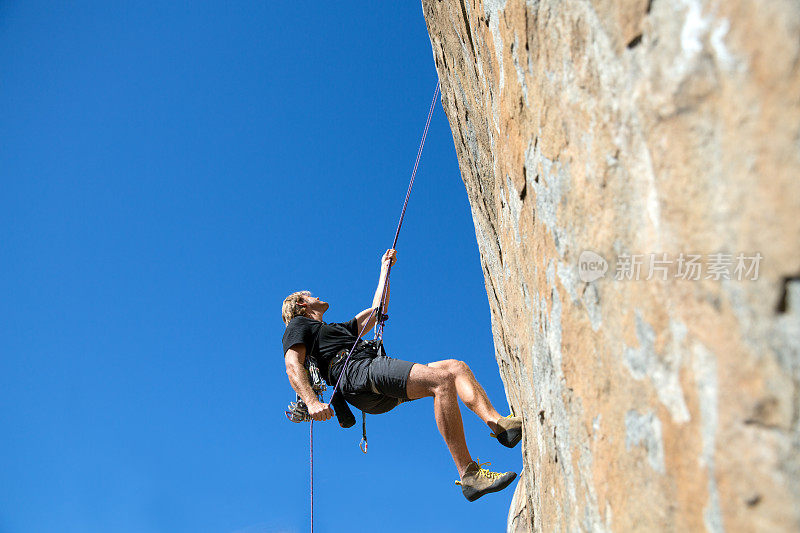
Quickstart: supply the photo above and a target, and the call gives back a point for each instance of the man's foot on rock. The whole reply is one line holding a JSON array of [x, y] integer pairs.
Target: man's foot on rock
[[509, 431], [476, 481]]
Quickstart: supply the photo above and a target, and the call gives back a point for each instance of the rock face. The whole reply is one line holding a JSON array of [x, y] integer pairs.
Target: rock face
[[590, 135]]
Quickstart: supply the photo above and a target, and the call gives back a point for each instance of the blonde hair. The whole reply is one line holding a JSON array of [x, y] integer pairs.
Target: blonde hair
[[291, 306]]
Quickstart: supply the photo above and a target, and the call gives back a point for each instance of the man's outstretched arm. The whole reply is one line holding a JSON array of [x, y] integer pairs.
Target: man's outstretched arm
[[387, 261], [298, 378]]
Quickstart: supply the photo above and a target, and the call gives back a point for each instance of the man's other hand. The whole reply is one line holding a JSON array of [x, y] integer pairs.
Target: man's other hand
[[389, 258], [320, 412]]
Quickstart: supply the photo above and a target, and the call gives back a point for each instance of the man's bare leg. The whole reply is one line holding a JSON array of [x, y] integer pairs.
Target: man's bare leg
[[470, 391], [440, 383]]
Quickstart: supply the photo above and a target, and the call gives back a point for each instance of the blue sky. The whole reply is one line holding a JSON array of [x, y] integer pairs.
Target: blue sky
[[170, 172]]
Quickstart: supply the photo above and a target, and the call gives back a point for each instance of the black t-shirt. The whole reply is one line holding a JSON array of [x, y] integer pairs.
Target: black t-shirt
[[322, 341]]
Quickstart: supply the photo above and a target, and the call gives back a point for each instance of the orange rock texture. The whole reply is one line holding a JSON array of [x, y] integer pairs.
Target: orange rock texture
[[633, 169]]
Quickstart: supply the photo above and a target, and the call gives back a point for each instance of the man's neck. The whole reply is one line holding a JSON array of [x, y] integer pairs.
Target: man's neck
[[314, 316]]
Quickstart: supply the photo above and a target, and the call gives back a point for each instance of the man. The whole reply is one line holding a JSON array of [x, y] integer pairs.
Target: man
[[376, 383]]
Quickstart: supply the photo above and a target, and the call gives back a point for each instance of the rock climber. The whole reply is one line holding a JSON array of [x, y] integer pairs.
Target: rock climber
[[376, 383]]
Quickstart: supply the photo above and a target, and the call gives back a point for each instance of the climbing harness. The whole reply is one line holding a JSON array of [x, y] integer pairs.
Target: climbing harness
[[298, 411]]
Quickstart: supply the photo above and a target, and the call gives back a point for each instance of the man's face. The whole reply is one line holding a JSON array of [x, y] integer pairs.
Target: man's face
[[315, 304]]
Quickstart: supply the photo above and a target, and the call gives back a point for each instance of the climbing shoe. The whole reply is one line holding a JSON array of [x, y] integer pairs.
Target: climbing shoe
[[509, 431], [476, 481]]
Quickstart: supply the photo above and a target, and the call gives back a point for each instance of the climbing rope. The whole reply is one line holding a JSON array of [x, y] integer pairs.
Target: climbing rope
[[416, 164], [381, 317], [311, 462]]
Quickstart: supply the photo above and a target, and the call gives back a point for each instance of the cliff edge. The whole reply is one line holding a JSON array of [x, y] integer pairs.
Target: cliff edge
[[633, 169]]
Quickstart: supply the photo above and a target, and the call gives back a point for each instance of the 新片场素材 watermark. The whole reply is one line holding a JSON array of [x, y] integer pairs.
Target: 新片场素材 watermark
[[663, 266]]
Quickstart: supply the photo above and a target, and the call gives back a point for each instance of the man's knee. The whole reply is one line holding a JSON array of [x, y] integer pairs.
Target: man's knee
[[446, 377], [428, 380], [453, 366]]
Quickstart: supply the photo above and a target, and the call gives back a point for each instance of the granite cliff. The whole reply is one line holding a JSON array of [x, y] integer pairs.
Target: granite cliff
[[633, 170]]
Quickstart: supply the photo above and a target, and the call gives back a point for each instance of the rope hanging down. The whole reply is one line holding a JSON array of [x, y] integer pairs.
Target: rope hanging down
[[381, 317], [311, 462]]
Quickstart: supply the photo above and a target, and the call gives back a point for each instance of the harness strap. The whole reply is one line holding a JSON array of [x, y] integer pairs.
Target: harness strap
[[363, 444]]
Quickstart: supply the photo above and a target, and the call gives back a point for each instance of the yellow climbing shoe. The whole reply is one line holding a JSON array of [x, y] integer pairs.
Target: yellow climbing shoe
[[510, 431], [477, 481]]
